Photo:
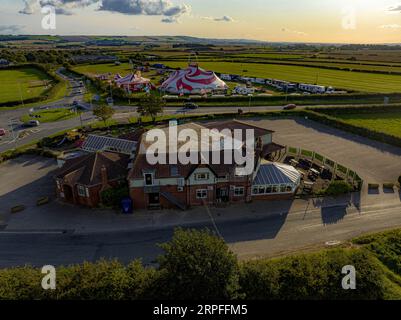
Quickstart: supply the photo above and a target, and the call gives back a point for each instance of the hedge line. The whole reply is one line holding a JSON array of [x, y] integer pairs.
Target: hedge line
[[361, 131], [197, 265], [283, 63]]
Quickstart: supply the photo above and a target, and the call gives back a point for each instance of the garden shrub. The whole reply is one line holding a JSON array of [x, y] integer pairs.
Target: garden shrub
[[112, 197], [337, 188]]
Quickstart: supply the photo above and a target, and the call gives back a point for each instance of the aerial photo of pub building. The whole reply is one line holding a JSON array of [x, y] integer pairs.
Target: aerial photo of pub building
[[105, 162]]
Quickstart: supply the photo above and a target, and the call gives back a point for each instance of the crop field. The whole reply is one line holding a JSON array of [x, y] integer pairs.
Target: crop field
[[386, 122], [300, 61], [28, 82], [358, 81]]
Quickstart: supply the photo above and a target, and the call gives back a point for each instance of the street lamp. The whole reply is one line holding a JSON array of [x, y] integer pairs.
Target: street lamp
[[20, 92], [250, 101]]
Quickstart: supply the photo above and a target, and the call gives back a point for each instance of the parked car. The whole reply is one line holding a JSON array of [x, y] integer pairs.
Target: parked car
[[32, 123], [290, 107], [2, 132], [190, 106]]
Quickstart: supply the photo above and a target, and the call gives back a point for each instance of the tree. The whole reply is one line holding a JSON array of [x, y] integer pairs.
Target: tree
[[103, 112], [151, 105], [197, 265]]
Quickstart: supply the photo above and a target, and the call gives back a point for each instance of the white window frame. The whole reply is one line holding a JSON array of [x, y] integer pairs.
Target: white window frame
[[199, 176], [204, 194], [83, 191]]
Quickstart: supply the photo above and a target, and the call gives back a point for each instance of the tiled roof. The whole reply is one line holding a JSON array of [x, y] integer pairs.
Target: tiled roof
[[237, 124], [86, 170], [141, 164], [270, 148]]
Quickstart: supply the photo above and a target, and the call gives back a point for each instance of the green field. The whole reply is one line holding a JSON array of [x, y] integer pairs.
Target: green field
[[50, 115], [358, 81], [386, 122], [123, 69], [28, 82]]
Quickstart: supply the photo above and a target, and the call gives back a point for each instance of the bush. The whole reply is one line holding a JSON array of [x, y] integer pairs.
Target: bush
[[197, 265], [312, 276], [112, 197], [337, 188]]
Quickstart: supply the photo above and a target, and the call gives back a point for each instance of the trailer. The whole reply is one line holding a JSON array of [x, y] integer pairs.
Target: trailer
[[311, 88], [241, 90], [225, 77]]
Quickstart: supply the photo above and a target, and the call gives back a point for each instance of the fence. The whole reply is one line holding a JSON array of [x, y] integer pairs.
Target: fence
[[338, 170]]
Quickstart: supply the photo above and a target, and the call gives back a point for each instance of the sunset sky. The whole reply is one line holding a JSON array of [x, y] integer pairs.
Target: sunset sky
[[339, 21]]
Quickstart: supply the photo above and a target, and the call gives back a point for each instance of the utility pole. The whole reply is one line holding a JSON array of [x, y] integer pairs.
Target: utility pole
[[80, 119], [286, 94], [11, 125]]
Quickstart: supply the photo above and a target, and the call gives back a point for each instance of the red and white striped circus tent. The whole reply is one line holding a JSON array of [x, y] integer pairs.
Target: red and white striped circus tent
[[133, 82], [193, 80]]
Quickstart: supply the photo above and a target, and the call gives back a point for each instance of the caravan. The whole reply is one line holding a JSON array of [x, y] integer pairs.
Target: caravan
[[311, 88], [243, 90]]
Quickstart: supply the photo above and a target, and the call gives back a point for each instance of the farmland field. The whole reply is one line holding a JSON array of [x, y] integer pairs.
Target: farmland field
[[28, 82], [386, 122], [123, 69], [358, 81]]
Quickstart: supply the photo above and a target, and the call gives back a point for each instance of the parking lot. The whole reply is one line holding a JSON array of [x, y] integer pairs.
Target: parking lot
[[375, 162]]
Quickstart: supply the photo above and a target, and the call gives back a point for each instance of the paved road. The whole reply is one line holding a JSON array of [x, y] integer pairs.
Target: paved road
[[10, 119], [247, 238]]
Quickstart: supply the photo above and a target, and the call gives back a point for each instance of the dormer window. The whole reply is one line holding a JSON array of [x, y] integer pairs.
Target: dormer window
[[202, 176]]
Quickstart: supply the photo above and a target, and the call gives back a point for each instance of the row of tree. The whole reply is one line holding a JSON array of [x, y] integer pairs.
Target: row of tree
[[148, 106], [199, 265]]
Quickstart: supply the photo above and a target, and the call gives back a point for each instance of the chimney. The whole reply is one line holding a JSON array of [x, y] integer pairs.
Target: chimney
[[105, 179]]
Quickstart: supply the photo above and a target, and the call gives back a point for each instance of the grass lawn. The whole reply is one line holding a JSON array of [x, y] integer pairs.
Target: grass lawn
[[364, 82], [123, 69], [50, 115], [28, 82], [389, 122]]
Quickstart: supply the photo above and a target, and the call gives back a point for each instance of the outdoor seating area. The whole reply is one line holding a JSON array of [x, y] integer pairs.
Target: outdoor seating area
[[317, 171]]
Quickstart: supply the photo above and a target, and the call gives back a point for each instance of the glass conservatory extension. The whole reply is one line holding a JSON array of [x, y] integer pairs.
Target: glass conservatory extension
[[276, 178]]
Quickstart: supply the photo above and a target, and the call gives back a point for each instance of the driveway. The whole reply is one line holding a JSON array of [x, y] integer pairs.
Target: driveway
[[375, 162]]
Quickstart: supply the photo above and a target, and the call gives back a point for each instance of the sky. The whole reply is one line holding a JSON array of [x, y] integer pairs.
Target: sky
[[323, 21]]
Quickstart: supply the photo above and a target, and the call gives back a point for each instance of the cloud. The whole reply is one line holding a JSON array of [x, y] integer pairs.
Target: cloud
[[164, 8], [62, 6], [30, 7], [10, 29], [224, 19], [170, 20], [396, 8], [390, 26], [300, 33], [219, 19]]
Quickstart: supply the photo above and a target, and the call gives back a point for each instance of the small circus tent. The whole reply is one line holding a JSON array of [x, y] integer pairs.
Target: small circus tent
[[133, 82], [193, 80]]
